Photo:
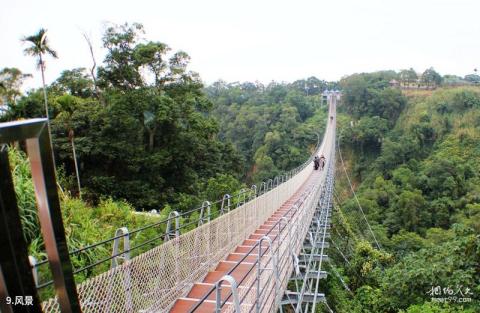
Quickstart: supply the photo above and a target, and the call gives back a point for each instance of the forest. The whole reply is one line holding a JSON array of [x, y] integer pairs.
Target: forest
[[414, 158], [149, 135]]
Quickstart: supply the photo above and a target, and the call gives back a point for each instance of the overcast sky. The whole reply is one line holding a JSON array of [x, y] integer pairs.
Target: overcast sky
[[258, 40]]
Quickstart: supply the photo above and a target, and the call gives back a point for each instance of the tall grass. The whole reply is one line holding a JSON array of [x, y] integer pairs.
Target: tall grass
[[22, 180]]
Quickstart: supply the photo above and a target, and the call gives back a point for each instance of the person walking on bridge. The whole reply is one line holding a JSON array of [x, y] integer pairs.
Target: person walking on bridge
[[322, 162], [316, 162]]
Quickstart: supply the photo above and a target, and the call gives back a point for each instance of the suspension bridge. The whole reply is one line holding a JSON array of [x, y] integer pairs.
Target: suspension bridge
[[265, 253]]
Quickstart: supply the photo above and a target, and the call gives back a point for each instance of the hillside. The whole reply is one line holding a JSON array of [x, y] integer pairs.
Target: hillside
[[417, 169]]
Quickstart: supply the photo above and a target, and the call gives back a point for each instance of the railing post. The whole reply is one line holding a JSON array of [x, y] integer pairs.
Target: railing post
[[201, 220], [259, 274], [254, 190], [125, 256], [270, 184], [218, 294], [226, 197], [277, 193], [241, 193], [253, 216], [263, 186], [273, 257], [168, 230]]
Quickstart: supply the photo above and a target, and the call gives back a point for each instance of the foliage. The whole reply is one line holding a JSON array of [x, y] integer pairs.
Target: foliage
[[84, 224], [273, 127], [148, 139], [418, 186], [39, 47], [408, 76], [11, 80], [429, 307], [431, 77], [370, 95], [22, 181], [473, 78]]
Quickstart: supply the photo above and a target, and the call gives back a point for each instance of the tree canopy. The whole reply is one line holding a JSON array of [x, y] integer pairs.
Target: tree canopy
[[416, 178]]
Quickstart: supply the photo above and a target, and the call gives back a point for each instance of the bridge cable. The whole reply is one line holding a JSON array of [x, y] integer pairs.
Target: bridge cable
[[341, 279], [347, 247], [341, 253], [338, 207], [348, 225], [355, 196], [350, 232], [330, 310]]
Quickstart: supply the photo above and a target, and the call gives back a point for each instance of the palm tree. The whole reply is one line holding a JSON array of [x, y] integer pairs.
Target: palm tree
[[38, 48]]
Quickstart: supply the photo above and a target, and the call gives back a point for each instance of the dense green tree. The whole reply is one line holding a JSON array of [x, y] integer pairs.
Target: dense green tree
[[75, 82], [150, 139], [430, 307], [473, 78], [410, 211], [450, 264], [419, 192], [369, 94], [431, 78], [28, 106], [366, 265], [408, 76], [311, 86], [11, 80]]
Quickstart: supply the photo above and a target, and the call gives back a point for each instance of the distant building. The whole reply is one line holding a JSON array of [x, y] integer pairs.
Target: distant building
[[411, 84], [394, 83]]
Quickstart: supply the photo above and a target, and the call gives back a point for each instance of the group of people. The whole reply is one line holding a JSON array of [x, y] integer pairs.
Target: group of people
[[319, 162]]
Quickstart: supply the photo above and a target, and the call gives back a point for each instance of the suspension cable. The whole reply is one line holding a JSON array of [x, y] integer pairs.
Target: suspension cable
[[340, 278], [355, 196]]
